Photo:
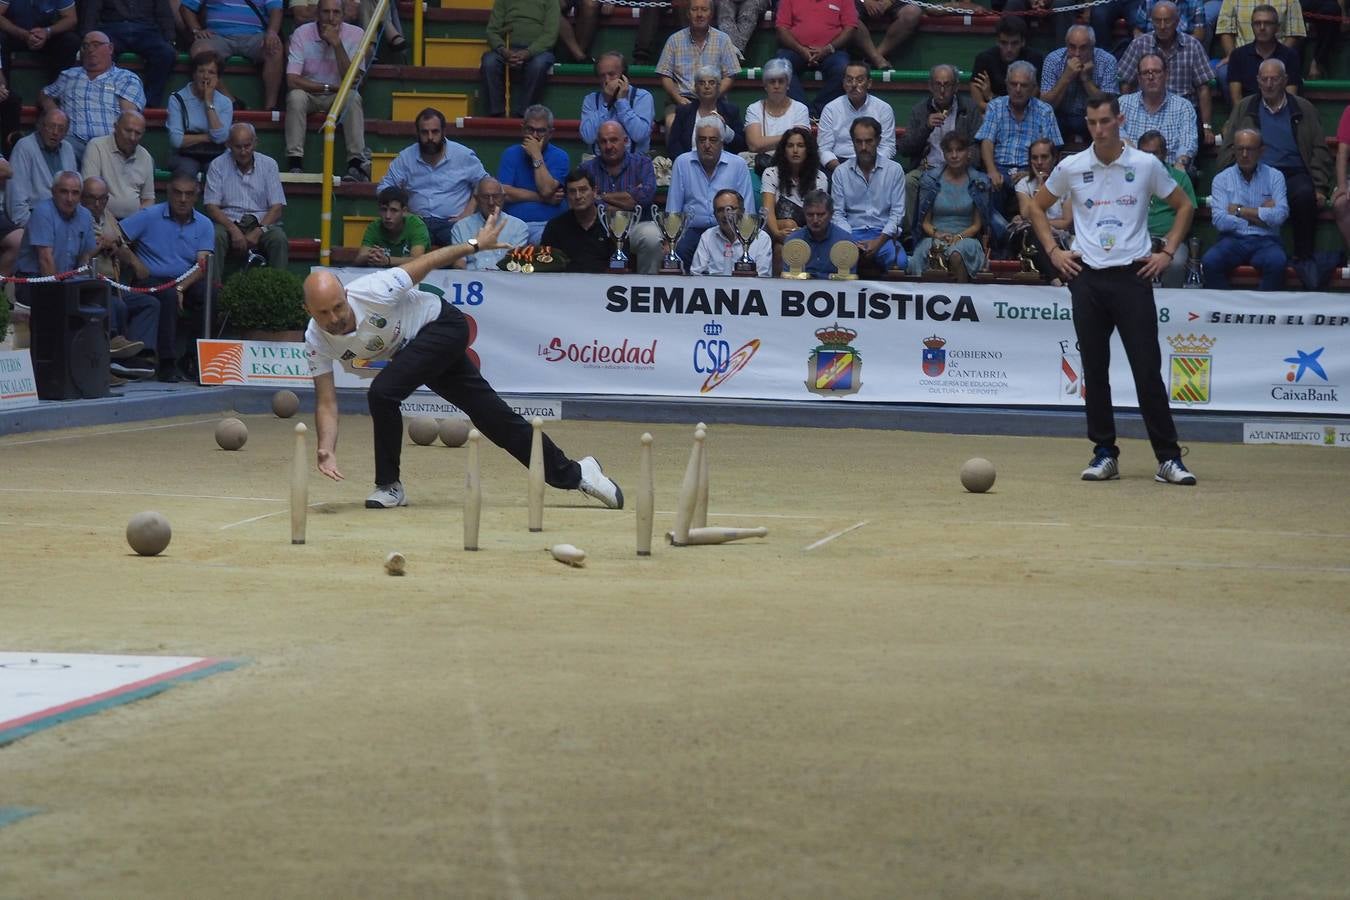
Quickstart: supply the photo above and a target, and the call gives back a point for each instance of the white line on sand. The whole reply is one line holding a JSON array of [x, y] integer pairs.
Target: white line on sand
[[487, 760], [1208, 529], [280, 512], [85, 434], [139, 494], [739, 515], [829, 537], [1198, 564]]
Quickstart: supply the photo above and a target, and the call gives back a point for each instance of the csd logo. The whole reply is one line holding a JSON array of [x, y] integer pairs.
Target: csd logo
[[711, 356]]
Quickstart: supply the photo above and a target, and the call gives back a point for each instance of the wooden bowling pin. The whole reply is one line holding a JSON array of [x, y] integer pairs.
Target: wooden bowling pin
[[646, 498], [473, 494]]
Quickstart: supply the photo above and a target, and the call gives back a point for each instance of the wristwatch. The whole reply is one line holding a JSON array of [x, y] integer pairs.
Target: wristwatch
[[473, 245], [538, 162], [1239, 211]]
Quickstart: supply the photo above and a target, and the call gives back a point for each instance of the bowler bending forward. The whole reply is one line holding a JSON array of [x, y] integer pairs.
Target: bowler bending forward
[[382, 325], [1110, 272]]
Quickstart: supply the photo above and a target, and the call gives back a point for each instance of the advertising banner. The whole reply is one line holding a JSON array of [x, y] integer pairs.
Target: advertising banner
[[17, 386], [998, 345]]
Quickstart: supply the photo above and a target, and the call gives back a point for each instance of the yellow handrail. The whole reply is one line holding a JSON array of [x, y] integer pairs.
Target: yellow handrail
[[330, 129], [417, 32]]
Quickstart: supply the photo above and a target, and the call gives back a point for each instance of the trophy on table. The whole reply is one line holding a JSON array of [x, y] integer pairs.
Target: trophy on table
[[672, 227], [796, 252], [616, 223], [937, 268], [1030, 272], [844, 255], [747, 227]]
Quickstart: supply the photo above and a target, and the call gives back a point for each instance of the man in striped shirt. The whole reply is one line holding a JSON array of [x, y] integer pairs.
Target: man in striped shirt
[[245, 200], [94, 93]]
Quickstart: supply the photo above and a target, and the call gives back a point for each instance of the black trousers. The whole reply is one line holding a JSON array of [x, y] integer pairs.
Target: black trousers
[[166, 335], [436, 357], [1118, 299], [1302, 210]]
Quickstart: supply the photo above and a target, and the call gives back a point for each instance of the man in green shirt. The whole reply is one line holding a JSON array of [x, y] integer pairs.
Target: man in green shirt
[[397, 237], [1161, 215], [520, 38]]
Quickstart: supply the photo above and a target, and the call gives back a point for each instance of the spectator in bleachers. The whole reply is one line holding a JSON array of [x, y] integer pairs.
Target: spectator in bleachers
[[578, 232], [132, 318], [1074, 73], [688, 50], [1011, 123], [709, 102], [1161, 216], [1295, 145], [836, 120], [11, 113], [250, 28], [147, 28], [618, 100], [358, 12], [35, 157], [59, 236], [953, 213], [49, 28], [697, 176], [869, 197], [94, 93], [304, 12], [1103, 18], [944, 112], [11, 235], [488, 199], [1188, 70], [719, 248], [1340, 198], [1245, 61], [577, 39], [438, 174], [396, 236], [766, 120], [124, 165], [1190, 18], [796, 171], [813, 35], [199, 117], [1041, 160], [520, 39], [532, 171], [1155, 108], [1247, 206], [170, 238], [626, 180], [738, 19], [901, 20], [989, 74], [321, 53], [1323, 36], [1233, 25], [821, 233], [245, 200]]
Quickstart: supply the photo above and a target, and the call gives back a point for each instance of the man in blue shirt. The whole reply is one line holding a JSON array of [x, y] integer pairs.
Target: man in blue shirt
[[820, 233], [1247, 205], [695, 179], [532, 173], [869, 197], [170, 238], [438, 174], [59, 236], [620, 101]]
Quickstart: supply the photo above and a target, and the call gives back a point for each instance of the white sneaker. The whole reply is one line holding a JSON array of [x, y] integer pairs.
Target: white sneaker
[[595, 483], [1174, 471], [387, 496], [1102, 468]]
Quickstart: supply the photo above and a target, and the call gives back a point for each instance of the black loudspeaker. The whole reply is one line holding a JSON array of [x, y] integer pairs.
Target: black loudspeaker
[[69, 338]]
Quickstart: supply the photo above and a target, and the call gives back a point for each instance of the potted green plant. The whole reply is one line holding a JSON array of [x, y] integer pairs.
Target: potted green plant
[[265, 304]]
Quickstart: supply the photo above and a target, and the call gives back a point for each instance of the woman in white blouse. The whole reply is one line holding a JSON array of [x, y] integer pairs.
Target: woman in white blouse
[[767, 119], [796, 170]]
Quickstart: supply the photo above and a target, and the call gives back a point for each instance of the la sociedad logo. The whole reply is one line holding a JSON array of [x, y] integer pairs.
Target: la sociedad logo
[[597, 355]]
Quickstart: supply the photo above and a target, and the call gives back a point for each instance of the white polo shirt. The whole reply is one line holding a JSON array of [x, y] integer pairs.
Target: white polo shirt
[[389, 311], [1110, 203]]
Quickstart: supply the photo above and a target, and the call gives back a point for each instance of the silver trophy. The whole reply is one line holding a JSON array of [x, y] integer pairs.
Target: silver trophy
[[672, 227], [747, 228], [617, 223]]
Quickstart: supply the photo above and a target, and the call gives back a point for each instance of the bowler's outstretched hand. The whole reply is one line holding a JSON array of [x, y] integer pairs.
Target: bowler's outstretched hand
[[328, 465]]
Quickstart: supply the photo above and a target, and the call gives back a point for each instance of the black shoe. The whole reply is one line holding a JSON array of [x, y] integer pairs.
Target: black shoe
[[1308, 273], [168, 373], [296, 164], [132, 368]]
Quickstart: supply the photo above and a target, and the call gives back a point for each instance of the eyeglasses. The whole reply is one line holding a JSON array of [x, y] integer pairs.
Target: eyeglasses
[[728, 209], [1264, 23], [1271, 79], [94, 45], [532, 129], [852, 79]]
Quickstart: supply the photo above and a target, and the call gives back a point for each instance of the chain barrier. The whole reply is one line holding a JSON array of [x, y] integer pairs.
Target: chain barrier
[[88, 268]]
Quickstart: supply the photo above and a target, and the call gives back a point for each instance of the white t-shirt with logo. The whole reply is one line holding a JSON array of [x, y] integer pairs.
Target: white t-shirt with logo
[[1110, 203], [389, 313]]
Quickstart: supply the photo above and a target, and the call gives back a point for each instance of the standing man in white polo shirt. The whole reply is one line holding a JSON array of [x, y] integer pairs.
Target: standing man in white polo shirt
[[1110, 272]]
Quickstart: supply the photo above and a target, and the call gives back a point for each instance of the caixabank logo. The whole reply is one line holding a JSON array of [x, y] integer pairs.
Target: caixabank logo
[[714, 358], [1306, 379], [1190, 368], [834, 367]]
